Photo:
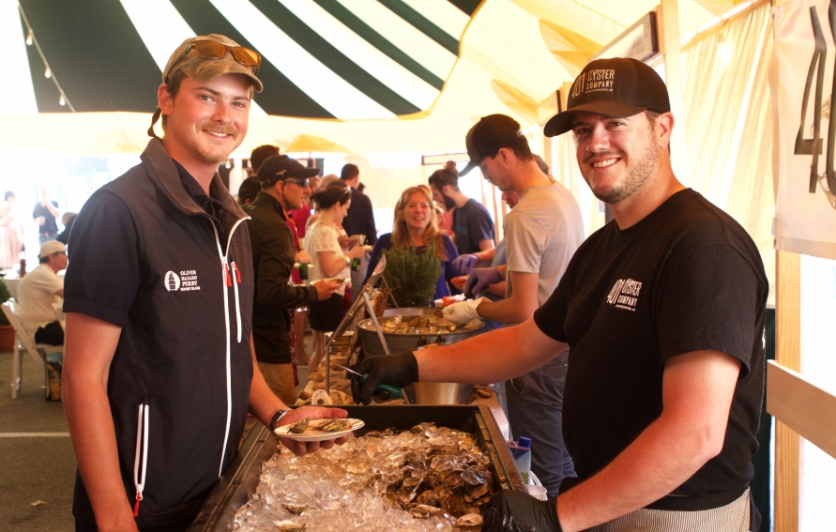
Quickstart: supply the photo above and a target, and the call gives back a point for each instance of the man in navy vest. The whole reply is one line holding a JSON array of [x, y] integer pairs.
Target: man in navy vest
[[159, 367]]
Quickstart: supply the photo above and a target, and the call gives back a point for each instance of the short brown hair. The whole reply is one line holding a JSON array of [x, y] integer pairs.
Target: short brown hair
[[442, 177], [261, 154]]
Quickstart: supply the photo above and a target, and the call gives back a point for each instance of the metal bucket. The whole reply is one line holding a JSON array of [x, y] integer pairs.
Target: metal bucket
[[406, 342], [425, 393], [440, 393]]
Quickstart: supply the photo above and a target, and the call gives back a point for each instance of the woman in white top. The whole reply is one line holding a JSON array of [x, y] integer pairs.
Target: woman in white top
[[11, 236], [328, 246]]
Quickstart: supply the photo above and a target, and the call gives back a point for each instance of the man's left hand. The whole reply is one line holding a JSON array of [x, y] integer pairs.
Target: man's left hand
[[300, 448], [463, 312], [515, 511]]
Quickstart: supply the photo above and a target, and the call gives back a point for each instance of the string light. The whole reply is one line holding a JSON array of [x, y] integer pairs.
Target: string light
[[48, 74]]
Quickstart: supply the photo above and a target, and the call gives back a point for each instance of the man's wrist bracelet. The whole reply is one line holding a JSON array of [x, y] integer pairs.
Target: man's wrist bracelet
[[277, 417]]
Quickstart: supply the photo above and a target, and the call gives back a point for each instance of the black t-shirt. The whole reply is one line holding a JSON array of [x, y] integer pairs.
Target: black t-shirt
[[685, 278], [471, 224], [49, 225], [105, 252]]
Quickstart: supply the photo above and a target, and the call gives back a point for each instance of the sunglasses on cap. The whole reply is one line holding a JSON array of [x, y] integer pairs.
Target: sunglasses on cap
[[218, 50]]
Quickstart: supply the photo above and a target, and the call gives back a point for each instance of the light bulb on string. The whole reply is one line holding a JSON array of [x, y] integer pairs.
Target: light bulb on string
[[47, 73], [30, 38], [62, 101]]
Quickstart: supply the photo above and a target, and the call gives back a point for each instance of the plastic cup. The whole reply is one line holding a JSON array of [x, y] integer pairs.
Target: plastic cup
[[538, 492]]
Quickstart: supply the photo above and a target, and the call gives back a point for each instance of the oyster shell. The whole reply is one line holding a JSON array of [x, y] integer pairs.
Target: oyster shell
[[424, 511], [290, 526], [298, 509]]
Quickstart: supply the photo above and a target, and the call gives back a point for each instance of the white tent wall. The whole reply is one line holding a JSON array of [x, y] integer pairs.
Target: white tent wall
[[727, 130], [728, 125]]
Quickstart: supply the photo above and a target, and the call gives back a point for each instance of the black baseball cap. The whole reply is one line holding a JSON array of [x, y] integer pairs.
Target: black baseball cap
[[616, 88], [281, 167], [490, 134]]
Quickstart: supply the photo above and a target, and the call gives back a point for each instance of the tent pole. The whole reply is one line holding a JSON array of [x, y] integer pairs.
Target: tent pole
[[787, 354], [668, 14]]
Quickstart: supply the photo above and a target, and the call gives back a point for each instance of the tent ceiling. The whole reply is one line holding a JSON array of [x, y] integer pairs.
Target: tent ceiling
[[385, 75]]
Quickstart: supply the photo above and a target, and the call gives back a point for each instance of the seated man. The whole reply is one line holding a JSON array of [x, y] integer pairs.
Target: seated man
[[38, 290]]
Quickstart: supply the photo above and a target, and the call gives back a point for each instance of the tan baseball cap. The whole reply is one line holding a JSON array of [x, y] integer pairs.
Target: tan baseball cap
[[51, 246], [201, 68]]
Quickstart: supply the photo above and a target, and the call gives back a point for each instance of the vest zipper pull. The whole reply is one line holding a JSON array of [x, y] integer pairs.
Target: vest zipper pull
[[136, 505], [227, 275]]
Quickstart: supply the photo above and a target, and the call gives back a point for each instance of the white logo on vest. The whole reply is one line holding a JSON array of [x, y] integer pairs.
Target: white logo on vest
[[186, 281], [172, 281], [625, 294]]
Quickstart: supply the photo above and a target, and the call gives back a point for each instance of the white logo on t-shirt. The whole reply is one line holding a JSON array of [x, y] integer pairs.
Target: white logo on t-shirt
[[625, 294]]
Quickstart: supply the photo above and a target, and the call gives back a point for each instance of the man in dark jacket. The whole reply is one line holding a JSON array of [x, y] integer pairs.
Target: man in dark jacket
[[158, 362], [284, 183], [359, 220]]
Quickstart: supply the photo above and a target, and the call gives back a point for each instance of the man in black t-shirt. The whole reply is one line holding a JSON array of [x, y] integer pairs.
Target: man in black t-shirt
[[472, 224], [44, 214], [663, 310]]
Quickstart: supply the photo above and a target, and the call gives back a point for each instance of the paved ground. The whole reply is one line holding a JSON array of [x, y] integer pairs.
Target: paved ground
[[36, 456], [37, 462]]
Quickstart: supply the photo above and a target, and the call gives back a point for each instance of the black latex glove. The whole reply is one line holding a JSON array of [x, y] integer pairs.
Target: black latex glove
[[515, 511], [398, 370]]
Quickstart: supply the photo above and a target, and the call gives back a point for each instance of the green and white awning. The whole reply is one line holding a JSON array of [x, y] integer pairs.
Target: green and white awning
[[332, 59]]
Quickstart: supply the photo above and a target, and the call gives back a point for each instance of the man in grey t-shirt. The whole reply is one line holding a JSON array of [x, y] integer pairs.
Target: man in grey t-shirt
[[541, 234]]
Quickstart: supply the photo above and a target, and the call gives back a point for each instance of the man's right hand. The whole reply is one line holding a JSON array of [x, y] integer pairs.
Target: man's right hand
[[399, 370], [514, 510], [465, 263], [324, 289]]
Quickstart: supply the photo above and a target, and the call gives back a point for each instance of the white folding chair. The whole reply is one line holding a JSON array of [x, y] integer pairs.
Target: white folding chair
[[60, 316], [23, 342]]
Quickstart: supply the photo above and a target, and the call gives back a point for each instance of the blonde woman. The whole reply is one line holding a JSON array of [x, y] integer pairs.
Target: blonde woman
[[330, 260], [416, 225]]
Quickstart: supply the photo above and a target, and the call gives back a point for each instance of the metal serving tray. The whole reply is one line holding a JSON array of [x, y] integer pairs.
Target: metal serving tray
[[240, 480]]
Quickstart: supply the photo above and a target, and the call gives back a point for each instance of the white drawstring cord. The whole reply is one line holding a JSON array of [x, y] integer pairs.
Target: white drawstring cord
[[141, 443]]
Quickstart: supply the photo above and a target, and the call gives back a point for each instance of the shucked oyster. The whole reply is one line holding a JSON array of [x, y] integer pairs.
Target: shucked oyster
[[299, 428], [335, 426]]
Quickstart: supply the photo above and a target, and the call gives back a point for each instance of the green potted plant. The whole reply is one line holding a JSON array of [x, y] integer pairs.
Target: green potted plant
[[412, 276], [7, 333]]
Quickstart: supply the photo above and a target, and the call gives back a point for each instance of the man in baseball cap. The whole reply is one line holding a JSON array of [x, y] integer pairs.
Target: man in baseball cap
[[542, 233], [489, 135], [39, 290], [663, 311], [158, 367], [284, 184]]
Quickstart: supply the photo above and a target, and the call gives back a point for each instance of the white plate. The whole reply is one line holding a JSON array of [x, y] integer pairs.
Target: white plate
[[313, 434]]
